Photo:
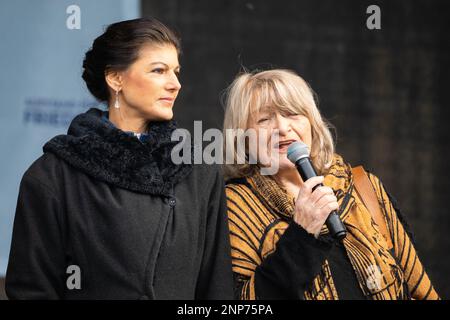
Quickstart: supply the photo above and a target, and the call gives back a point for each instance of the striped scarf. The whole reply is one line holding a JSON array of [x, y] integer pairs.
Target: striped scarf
[[382, 274]]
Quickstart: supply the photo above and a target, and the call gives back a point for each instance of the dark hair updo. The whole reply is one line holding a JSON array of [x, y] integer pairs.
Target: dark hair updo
[[118, 47]]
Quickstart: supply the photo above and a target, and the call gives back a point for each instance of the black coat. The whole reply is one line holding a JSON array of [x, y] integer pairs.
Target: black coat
[[136, 225]]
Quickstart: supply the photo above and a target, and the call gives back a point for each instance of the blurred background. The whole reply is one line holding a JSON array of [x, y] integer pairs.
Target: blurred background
[[384, 90]]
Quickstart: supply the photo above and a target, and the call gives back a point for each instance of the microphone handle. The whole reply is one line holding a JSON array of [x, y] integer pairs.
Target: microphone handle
[[333, 222]]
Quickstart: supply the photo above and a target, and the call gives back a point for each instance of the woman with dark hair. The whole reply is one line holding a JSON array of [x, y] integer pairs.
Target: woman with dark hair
[[104, 213]]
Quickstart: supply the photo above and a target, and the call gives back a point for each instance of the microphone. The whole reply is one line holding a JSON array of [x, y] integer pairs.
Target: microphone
[[298, 154]]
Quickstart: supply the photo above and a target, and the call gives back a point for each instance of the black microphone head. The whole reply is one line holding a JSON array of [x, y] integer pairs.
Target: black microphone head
[[296, 151]]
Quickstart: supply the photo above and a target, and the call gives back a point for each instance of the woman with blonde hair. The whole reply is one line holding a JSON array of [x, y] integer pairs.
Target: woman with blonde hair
[[281, 247]]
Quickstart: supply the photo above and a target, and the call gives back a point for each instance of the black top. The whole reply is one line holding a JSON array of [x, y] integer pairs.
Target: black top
[[298, 259], [344, 276], [136, 225]]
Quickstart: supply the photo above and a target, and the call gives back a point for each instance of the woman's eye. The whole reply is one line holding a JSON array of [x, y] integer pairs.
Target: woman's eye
[[262, 120], [158, 70]]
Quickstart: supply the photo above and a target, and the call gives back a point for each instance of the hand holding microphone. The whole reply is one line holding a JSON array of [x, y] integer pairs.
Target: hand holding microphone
[[316, 203]]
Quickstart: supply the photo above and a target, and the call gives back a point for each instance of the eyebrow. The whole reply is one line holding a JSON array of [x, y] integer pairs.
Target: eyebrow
[[167, 66], [265, 109]]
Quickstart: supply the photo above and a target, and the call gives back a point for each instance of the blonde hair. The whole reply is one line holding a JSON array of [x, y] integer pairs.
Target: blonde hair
[[285, 91]]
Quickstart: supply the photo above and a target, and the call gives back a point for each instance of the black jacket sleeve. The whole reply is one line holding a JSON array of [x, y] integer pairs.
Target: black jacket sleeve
[[216, 279], [297, 260], [36, 262]]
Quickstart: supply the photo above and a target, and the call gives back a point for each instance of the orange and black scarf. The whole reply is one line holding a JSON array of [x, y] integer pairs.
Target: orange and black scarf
[[382, 274]]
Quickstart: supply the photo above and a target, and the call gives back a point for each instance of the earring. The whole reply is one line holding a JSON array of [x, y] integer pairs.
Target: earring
[[116, 104]]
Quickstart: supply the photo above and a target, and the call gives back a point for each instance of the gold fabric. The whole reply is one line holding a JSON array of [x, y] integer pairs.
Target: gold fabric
[[260, 212]]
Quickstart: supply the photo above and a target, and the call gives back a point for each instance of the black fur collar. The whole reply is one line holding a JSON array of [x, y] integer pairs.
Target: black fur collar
[[96, 147]]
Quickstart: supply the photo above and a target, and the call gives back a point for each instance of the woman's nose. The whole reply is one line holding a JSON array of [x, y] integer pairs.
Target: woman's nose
[[282, 124], [173, 84]]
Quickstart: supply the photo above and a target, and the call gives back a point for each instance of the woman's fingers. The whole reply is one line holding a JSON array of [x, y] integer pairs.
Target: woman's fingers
[[327, 202], [308, 185], [313, 207], [321, 192]]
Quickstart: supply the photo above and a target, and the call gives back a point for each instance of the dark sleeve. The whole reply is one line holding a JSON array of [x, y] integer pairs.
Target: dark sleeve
[[290, 269], [36, 261], [216, 279]]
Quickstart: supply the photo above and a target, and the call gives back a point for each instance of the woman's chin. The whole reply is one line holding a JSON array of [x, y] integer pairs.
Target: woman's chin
[[285, 164], [165, 115]]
